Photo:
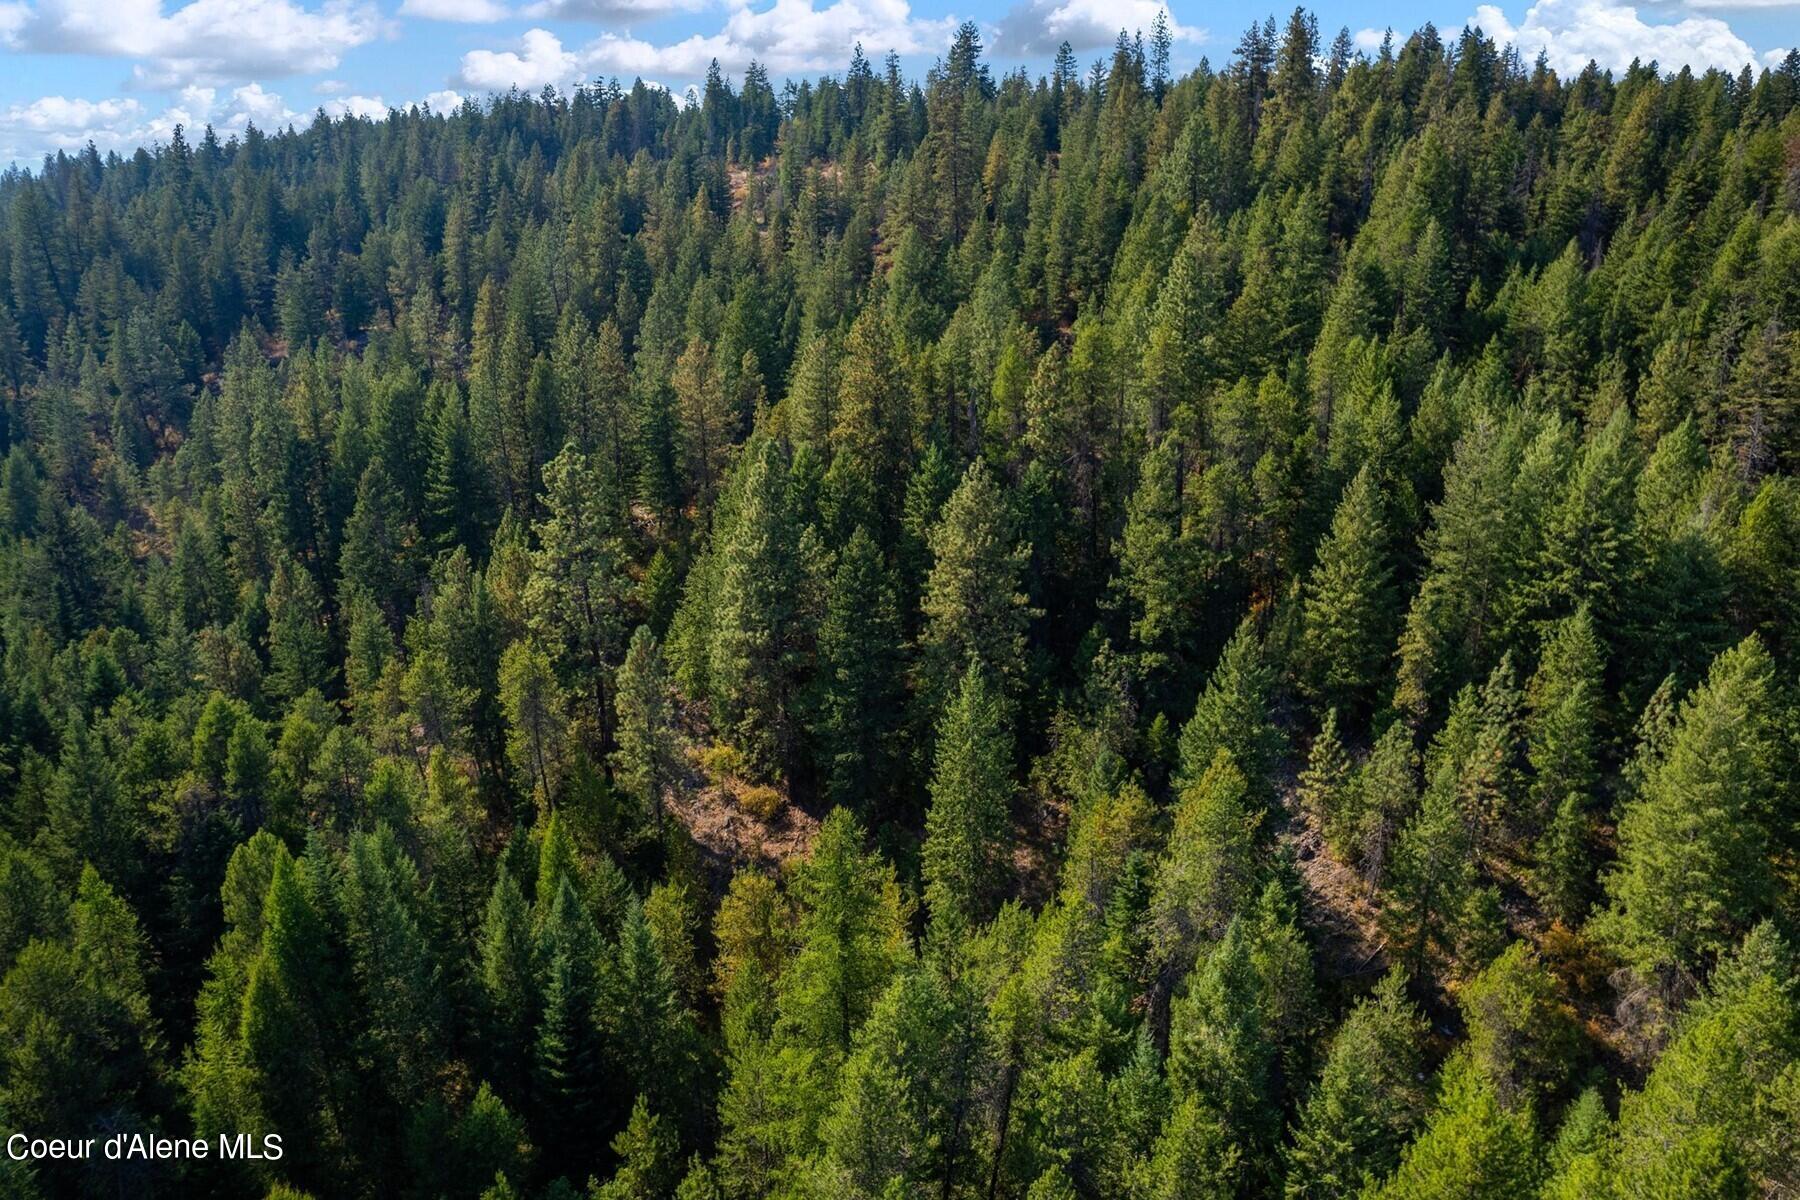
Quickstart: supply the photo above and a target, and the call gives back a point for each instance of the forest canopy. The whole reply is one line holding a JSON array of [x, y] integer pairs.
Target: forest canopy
[[1088, 636]]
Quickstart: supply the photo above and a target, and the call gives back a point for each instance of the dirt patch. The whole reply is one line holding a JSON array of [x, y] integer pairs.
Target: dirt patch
[[730, 835], [1340, 905]]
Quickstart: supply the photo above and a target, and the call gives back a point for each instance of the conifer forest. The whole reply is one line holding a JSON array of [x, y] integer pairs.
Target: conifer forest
[[1094, 634]]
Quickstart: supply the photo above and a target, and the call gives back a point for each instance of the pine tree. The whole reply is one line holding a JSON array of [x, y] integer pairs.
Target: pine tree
[[579, 592], [537, 730], [458, 503], [851, 935], [1472, 1148], [1325, 785], [299, 657], [1490, 783], [651, 1036], [1712, 1118], [1522, 1032], [706, 422], [859, 679], [1220, 1050], [1432, 875], [81, 1043], [1159, 569], [508, 981], [753, 667], [379, 542], [1205, 875], [1383, 797], [647, 1150], [1178, 354], [566, 1053], [1693, 870], [1347, 629], [905, 1096], [648, 758], [869, 434], [968, 825], [394, 965], [1367, 1102], [1233, 714], [293, 1023], [1561, 729], [975, 610]]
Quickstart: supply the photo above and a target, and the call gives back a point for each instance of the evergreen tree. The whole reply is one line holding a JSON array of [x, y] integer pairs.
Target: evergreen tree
[[905, 1107], [1432, 875], [1325, 785], [974, 608], [1521, 1031], [969, 823], [508, 981], [1367, 1102], [1561, 729], [1471, 1146], [566, 1052], [299, 654], [648, 758], [1159, 569], [860, 680], [1206, 874], [1346, 631], [851, 939], [755, 638], [647, 1151], [537, 733], [578, 594], [1233, 714], [1693, 871], [706, 425]]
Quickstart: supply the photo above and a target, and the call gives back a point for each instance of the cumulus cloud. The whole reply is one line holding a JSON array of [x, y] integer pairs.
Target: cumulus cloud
[[202, 41], [787, 37], [466, 11], [539, 60], [1037, 27], [1571, 32], [123, 123], [1369, 40], [611, 10], [372, 108]]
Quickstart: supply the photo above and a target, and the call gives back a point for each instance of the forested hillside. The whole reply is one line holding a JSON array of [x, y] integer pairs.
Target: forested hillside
[[1099, 636]]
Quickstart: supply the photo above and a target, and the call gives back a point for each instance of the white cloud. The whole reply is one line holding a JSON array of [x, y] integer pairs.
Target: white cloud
[[251, 105], [789, 36], [52, 123], [123, 123], [613, 54], [1571, 32], [372, 107], [1369, 40], [611, 10], [1038, 27], [202, 41], [539, 60], [1773, 59], [468, 11]]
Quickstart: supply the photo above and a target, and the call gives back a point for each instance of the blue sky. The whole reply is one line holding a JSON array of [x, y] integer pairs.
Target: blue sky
[[125, 72]]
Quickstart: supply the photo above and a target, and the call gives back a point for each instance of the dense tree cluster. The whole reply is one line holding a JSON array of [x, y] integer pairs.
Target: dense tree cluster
[[1257, 612]]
